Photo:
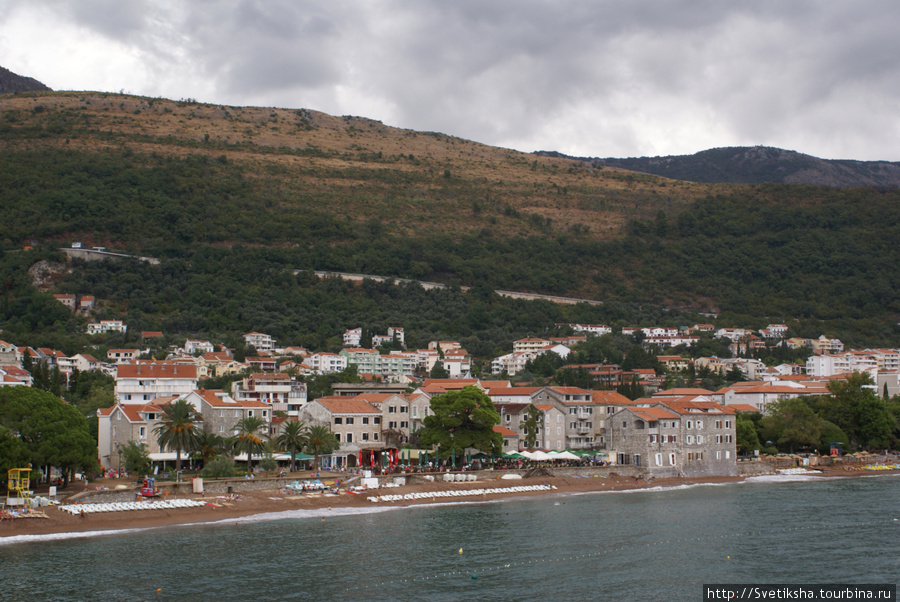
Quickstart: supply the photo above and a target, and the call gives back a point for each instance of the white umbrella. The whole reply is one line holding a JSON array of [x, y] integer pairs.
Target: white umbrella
[[566, 455], [540, 456]]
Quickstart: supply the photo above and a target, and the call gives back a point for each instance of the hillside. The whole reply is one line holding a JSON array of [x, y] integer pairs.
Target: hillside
[[759, 164], [11, 83], [233, 199]]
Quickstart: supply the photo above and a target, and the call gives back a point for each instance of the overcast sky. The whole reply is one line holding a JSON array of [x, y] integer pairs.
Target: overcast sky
[[587, 78]]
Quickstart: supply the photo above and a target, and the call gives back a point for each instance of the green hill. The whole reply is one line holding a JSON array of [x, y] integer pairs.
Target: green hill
[[234, 199]]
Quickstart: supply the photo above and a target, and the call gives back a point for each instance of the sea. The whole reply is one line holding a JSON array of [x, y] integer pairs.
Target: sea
[[649, 544]]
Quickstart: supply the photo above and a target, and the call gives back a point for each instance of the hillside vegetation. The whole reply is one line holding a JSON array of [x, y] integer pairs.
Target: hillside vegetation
[[233, 199]]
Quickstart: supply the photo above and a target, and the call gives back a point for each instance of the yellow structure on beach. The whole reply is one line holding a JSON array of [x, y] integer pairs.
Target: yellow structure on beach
[[18, 481]]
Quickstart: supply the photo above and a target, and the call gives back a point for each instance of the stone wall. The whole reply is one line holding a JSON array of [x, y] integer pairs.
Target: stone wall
[[752, 468]]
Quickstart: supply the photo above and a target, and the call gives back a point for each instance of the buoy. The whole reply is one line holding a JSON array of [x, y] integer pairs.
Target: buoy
[[474, 576], [460, 550], [728, 557], [158, 589]]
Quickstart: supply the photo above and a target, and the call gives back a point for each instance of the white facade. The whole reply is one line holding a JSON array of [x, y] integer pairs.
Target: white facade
[[260, 341]]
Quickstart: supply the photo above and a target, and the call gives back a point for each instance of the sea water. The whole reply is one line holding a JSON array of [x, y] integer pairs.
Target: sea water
[[660, 544]]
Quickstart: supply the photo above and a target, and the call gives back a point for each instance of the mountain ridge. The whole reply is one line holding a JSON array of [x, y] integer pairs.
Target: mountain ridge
[[756, 165]]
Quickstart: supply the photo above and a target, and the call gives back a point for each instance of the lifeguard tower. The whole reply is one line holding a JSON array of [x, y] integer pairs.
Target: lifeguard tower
[[18, 481]]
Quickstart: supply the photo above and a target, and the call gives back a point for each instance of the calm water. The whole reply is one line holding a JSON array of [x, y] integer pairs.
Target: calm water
[[647, 545]]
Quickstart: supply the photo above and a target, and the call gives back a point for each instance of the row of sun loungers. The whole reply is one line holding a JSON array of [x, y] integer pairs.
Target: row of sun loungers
[[124, 506], [427, 495], [458, 478]]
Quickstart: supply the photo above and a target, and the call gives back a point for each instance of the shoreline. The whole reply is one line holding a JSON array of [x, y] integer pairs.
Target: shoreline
[[255, 505]]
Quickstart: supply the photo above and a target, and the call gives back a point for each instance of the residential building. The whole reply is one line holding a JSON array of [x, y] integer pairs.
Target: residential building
[[192, 347], [356, 424], [279, 391], [326, 363], [142, 382], [529, 344], [259, 341], [107, 326], [675, 438]]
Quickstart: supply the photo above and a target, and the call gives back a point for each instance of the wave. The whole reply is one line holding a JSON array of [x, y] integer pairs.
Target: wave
[[45, 537]]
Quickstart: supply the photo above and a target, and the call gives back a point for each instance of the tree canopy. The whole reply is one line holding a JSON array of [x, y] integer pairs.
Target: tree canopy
[[460, 420], [49, 432]]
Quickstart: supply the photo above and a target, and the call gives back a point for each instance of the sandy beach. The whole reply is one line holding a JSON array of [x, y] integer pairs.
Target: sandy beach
[[244, 504]]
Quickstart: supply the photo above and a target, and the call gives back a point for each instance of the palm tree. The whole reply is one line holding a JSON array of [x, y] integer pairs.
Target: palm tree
[[210, 445], [179, 427], [293, 439], [321, 441], [251, 438]]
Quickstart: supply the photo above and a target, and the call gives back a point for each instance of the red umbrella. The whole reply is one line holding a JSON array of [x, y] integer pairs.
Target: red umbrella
[[372, 458], [360, 458]]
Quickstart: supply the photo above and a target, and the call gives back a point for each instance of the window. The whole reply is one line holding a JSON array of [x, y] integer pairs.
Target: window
[[718, 455], [365, 436], [699, 424], [349, 420], [349, 437], [128, 397], [671, 459], [404, 410], [143, 432], [727, 454], [624, 424], [689, 439], [404, 425], [558, 431], [365, 420], [690, 425], [221, 413], [658, 459], [573, 425], [699, 439], [375, 436], [559, 418], [415, 412], [392, 409], [221, 428], [377, 420], [718, 438], [146, 398], [718, 424], [654, 438], [392, 425], [728, 424], [508, 417], [249, 413], [338, 420]]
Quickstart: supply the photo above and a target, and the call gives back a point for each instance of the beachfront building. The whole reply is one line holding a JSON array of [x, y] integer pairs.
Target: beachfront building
[[124, 422], [356, 424], [675, 438]]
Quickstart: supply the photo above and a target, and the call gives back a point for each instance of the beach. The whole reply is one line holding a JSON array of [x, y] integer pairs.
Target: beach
[[252, 503]]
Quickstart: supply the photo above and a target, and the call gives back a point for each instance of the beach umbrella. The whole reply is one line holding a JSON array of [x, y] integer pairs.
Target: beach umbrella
[[567, 456], [453, 461]]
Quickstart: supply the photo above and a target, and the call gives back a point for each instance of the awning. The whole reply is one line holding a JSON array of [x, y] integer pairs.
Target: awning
[[166, 456]]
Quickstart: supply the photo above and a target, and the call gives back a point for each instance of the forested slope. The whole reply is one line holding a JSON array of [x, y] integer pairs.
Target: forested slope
[[234, 199]]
